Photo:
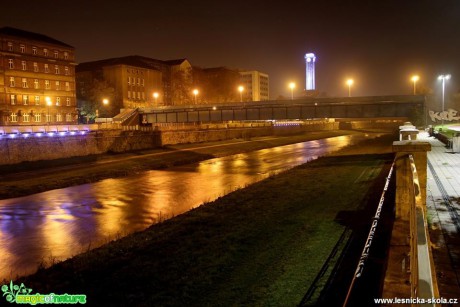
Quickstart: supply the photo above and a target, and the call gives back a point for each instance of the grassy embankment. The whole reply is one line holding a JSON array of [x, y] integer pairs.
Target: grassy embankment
[[259, 246]]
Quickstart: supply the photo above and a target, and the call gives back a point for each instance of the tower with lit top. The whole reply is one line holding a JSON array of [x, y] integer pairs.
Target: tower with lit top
[[310, 60]]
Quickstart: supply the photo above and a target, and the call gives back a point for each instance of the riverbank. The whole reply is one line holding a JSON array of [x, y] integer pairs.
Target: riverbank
[[34, 177], [262, 245]]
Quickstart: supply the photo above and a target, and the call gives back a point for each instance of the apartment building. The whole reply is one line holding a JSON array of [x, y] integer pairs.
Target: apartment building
[[256, 86], [37, 79]]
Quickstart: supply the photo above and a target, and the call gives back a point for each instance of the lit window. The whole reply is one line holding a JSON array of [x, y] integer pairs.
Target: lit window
[[12, 84], [66, 55], [47, 68], [129, 80], [10, 46], [35, 67], [24, 83], [23, 49], [38, 117], [142, 82], [67, 100], [58, 101], [37, 100], [48, 117], [24, 65], [66, 69], [13, 99], [45, 52], [68, 117], [56, 54], [47, 84], [11, 63], [36, 83], [138, 81], [59, 117], [56, 69], [25, 99], [13, 117], [26, 117], [58, 85], [34, 50], [67, 86]]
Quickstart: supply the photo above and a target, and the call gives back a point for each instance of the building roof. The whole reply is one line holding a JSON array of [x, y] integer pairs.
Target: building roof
[[13, 32], [131, 60]]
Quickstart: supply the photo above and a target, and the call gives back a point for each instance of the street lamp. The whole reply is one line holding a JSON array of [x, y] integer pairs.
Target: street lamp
[[241, 89], [195, 92], [292, 86], [155, 96], [443, 78], [48, 103], [105, 102], [415, 79], [349, 83]]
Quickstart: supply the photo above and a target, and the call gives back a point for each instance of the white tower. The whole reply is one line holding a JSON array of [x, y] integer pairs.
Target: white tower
[[310, 60]]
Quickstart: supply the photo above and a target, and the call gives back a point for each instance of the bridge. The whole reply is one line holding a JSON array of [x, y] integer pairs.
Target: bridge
[[303, 108]]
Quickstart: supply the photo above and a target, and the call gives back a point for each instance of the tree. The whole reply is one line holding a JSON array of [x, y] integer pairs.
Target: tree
[[90, 100]]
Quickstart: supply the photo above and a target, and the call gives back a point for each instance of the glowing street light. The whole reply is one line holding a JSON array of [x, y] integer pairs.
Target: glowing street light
[[349, 83], [241, 89], [415, 79], [443, 78], [292, 87], [105, 102], [195, 92], [48, 103], [155, 96]]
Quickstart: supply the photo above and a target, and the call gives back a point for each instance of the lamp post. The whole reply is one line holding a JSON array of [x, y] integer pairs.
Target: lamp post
[[48, 103], [349, 83], [443, 78], [241, 89], [415, 79], [105, 102], [195, 93], [292, 86], [155, 96]]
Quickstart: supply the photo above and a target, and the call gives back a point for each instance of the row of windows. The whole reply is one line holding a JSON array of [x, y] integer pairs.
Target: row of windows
[[132, 81], [36, 67], [38, 51], [132, 95], [37, 117], [40, 84], [37, 100]]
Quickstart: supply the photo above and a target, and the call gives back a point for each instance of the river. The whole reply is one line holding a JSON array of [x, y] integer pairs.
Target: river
[[52, 226]]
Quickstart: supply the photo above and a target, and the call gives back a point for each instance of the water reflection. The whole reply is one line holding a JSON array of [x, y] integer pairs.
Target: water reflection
[[61, 223]]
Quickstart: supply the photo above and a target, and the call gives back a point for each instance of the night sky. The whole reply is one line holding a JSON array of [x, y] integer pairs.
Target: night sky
[[379, 44]]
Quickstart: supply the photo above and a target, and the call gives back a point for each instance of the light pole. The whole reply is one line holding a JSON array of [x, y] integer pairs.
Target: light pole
[[155, 96], [443, 78], [292, 86], [241, 89], [195, 92], [415, 79], [349, 83], [105, 102], [48, 103]]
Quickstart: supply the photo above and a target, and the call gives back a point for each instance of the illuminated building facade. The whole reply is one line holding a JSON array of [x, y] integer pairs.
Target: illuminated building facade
[[256, 86], [37, 79], [310, 60]]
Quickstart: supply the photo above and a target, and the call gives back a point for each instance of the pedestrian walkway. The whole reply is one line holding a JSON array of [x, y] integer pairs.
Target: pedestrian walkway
[[443, 206]]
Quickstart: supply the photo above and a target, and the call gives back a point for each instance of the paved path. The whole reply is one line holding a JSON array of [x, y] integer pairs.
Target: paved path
[[443, 205]]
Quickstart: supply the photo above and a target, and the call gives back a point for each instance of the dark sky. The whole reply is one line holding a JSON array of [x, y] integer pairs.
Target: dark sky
[[379, 43]]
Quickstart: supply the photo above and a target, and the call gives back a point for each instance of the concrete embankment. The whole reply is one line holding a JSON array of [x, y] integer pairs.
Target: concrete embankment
[[19, 149]]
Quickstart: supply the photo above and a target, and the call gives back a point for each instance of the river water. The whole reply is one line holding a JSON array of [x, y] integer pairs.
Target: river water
[[58, 224]]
